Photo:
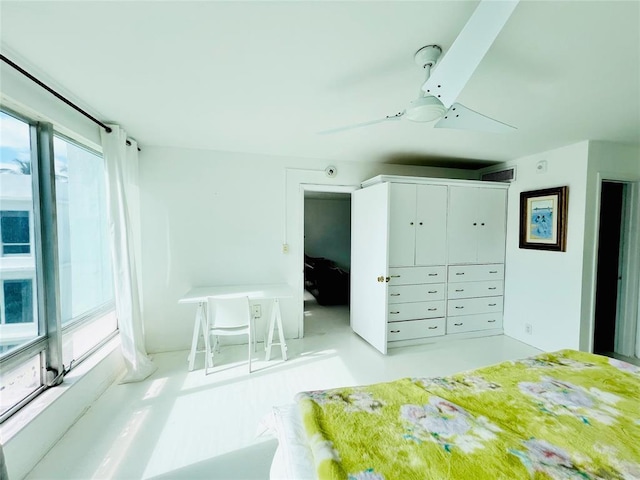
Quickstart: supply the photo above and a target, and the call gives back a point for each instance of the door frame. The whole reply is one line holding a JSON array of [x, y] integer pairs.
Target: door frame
[[627, 312], [311, 187]]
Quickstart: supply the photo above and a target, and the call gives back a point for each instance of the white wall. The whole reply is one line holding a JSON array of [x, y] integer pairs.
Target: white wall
[[327, 229], [212, 218], [544, 288], [607, 161]]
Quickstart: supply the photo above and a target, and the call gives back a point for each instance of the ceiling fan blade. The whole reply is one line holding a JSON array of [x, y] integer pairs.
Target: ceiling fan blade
[[388, 118], [463, 118], [455, 69]]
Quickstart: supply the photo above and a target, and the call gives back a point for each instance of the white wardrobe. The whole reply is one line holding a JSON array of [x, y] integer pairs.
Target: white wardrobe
[[427, 259]]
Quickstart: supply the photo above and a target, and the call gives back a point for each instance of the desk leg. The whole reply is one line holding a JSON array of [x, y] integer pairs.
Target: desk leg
[[199, 324], [276, 320]]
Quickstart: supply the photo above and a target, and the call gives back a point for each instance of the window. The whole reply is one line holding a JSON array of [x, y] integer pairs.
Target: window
[[18, 301], [83, 248], [14, 232], [56, 284]]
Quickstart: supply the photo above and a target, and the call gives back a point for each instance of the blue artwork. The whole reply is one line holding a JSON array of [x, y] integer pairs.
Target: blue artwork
[[542, 222]]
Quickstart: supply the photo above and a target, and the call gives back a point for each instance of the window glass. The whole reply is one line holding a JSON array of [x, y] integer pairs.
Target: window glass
[[19, 382], [18, 296], [83, 248]]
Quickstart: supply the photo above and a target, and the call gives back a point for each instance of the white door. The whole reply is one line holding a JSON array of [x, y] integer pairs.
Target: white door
[[402, 225], [492, 216], [369, 267], [462, 225], [431, 225]]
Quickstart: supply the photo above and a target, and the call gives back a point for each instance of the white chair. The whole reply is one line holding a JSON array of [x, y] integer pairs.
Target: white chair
[[226, 317]]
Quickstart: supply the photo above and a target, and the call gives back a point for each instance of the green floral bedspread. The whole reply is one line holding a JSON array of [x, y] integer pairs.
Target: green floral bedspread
[[562, 415]]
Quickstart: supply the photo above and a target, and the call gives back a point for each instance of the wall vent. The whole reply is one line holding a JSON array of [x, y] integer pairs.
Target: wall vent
[[502, 175]]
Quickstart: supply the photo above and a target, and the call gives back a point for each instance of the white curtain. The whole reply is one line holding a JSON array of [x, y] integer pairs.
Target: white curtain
[[121, 164]]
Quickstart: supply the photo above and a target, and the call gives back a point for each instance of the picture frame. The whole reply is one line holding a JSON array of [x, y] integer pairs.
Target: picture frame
[[543, 219]]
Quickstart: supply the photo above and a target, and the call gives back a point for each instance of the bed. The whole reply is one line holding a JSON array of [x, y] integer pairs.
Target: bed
[[560, 415]]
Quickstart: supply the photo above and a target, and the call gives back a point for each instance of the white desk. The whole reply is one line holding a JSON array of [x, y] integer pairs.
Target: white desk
[[254, 292]]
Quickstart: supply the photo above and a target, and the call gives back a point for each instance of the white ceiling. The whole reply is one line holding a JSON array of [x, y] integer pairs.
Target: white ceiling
[[264, 77]]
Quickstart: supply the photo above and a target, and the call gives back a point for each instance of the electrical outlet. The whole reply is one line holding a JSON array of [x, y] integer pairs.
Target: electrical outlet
[[257, 311], [528, 328], [285, 248]]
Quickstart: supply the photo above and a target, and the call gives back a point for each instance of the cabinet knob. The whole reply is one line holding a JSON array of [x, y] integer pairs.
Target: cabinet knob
[[482, 224], [394, 294], [460, 273], [411, 223], [492, 304], [433, 328], [432, 291], [490, 321], [394, 313], [420, 223], [459, 289], [432, 274], [431, 309], [459, 308], [474, 224], [458, 324], [395, 331], [491, 288]]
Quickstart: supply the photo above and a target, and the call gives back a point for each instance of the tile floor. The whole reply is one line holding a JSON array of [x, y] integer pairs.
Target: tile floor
[[185, 425]]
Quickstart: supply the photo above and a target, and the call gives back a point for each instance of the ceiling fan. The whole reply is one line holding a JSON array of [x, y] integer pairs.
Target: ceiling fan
[[440, 89]]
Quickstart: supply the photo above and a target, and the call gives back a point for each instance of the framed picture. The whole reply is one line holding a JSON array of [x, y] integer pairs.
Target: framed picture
[[543, 219]]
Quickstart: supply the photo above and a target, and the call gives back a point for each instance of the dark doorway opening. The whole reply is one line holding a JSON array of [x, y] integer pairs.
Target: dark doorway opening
[[608, 267]]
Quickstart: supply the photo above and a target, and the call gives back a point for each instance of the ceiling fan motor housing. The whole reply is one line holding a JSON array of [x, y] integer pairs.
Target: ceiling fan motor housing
[[425, 109]]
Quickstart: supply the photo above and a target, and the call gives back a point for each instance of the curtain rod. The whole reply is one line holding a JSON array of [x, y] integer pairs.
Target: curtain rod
[[57, 95]]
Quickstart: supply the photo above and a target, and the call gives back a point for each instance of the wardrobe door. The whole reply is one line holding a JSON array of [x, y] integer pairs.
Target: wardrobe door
[[402, 224], [431, 225], [462, 225], [492, 216]]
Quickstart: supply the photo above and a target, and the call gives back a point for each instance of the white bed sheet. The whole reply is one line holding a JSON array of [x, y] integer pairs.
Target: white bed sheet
[[293, 459]]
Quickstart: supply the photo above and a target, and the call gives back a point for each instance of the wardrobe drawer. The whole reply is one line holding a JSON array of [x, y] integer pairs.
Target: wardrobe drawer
[[475, 289], [476, 273], [416, 293], [411, 311], [414, 275], [470, 323], [470, 306], [432, 327]]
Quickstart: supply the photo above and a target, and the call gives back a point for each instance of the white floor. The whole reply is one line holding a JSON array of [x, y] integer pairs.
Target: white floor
[[183, 425]]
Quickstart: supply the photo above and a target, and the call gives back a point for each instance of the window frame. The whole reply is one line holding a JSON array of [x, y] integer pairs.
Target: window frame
[[48, 343]]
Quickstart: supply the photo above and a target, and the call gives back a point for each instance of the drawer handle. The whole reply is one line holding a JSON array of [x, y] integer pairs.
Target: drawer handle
[[395, 276], [459, 289], [394, 313], [490, 321], [395, 331], [394, 294], [431, 309], [458, 324], [493, 271], [460, 273], [433, 274], [459, 307], [433, 328], [492, 304], [432, 291], [492, 288]]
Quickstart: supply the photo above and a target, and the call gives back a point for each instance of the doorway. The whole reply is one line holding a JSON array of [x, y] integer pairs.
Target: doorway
[[326, 262], [615, 326]]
